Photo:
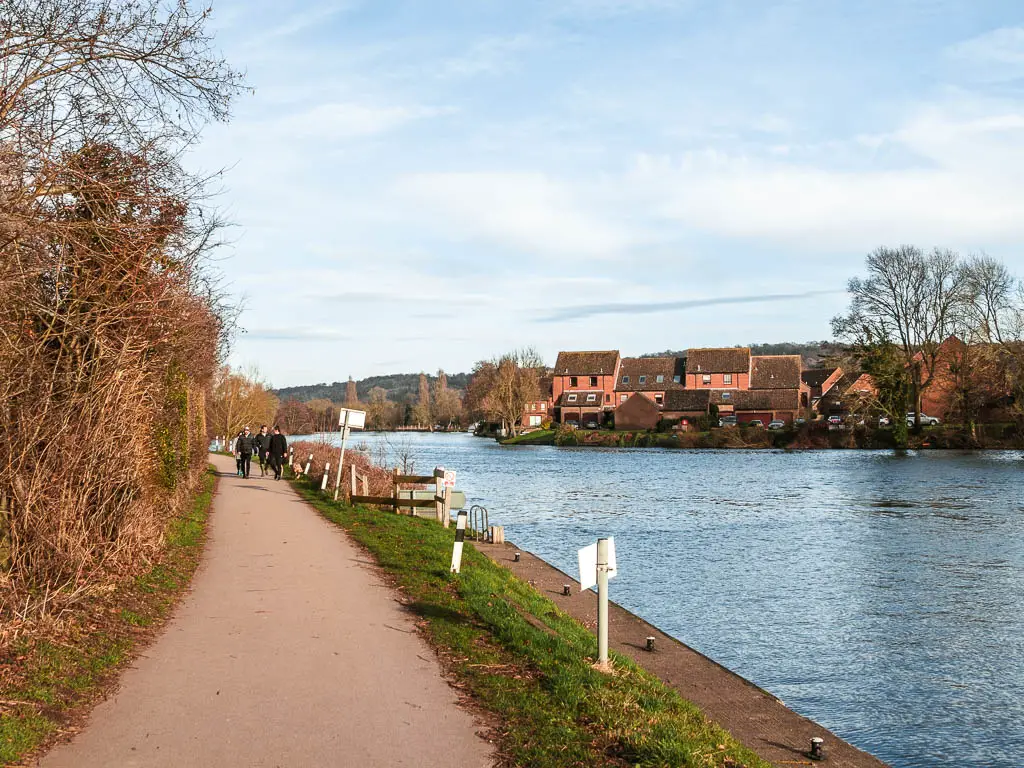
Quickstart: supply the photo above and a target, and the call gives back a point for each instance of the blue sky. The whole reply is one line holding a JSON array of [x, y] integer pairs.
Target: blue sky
[[424, 184]]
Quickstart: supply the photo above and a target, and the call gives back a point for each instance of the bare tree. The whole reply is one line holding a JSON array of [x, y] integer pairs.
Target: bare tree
[[911, 300], [504, 386]]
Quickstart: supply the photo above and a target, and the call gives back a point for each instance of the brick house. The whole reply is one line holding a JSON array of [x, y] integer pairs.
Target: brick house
[[539, 410], [688, 404], [718, 368], [780, 373], [819, 382], [764, 404], [583, 386], [650, 376], [639, 412]]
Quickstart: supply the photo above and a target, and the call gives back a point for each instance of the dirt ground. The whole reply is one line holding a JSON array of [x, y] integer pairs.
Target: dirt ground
[[755, 717]]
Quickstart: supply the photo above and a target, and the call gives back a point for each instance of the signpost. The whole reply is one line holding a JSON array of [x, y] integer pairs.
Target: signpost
[[597, 565], [347, 419]]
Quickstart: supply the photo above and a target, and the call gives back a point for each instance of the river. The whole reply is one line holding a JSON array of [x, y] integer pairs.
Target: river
[[879, 594]]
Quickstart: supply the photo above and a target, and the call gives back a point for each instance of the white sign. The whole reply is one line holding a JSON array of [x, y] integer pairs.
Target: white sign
[[352, 419], [588, 564], [449, 478]]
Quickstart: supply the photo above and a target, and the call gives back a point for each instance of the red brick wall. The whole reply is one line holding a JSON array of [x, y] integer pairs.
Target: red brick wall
[[696, 381]]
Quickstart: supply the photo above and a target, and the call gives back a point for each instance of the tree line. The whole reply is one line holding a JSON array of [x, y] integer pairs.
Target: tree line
[[113, 324], [920, 319]]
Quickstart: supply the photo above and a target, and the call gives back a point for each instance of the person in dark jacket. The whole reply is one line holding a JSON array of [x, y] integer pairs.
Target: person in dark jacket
[[277, 449], [246, 445], [238, 455], [262, 447]]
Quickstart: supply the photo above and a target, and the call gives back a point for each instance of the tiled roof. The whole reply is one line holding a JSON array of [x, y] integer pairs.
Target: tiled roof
[[581, 398], [586, 363], [775, 372], [815, 377], [757, 399], [650, 368], [718, 360], [687, 399]]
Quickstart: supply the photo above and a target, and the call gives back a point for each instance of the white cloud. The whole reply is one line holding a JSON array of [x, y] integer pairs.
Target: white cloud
[[526, 211], [350, 120], [489, 56], [961, 186], [995, 55]]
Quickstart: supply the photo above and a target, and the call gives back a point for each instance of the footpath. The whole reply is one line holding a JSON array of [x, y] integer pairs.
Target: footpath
[[288, 651]]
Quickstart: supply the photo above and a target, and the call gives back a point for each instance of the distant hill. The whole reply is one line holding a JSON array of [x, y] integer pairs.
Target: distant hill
[[812, 352], [401, 387]]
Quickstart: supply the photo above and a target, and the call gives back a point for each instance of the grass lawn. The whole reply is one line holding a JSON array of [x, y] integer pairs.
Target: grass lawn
[[47, 679], [537, 437], [528, 663]]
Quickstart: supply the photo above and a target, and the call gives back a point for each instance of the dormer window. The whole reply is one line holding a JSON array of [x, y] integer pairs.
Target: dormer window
[[660, 379], [677, 379], [571, 398], [591, 398], [625, 379], [643, 379], [727, 395]]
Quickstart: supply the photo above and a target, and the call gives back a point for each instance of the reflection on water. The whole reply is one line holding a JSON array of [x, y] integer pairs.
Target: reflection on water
[[880, 594]]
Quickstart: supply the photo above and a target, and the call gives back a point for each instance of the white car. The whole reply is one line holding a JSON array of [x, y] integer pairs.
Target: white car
[[926, 420], [777, 424]]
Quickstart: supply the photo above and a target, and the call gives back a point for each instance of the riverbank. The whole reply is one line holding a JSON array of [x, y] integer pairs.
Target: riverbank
[[527, 664], [54, 670], [814, 436], [752, 715]]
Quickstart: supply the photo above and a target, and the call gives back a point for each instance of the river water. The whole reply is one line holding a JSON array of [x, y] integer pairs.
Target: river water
[[879, 594]]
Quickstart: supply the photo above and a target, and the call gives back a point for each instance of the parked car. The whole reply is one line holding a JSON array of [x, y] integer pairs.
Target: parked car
[[883, 421], [799, 421], [835, 420], [755, 423], [777, 424], [926, 420], [572, 424], [727, 421], [590, 424]]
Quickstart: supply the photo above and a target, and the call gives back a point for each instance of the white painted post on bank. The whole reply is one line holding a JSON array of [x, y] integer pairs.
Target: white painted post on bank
[[305, 472], [597, 565], [602, 601], [460, 537], [347, 419], [327, 474]]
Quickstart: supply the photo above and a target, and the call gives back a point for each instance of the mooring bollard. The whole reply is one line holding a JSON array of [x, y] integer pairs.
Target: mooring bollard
[[650, 643], [516, 558], [817, 749]]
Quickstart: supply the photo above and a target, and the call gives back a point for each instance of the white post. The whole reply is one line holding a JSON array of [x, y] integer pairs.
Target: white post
[[341, 458], [305, 472], [602, 602], [460, 537], [327, 474]]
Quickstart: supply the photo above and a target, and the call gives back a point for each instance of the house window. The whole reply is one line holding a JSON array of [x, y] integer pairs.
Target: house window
[[659, 399], [572, 398], [660, 379], [573, 381], [622, 398], [676, 379], [727, 395], [607, 398], [625, 379], [706, 378], [727, 378], [643, 379], [593, 381], [591, 398], [543, 406]]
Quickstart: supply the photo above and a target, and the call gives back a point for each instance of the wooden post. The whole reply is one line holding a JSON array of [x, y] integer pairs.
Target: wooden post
[[327, 474], [353, 479], [366, 484], [447, 507], [439, 494], [394, 490]]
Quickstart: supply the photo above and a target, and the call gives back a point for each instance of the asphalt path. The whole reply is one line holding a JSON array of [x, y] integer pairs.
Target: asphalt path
[[288, 651]]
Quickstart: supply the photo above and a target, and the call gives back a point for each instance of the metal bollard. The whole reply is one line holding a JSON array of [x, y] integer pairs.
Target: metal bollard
[[650, 643], [817, 749]]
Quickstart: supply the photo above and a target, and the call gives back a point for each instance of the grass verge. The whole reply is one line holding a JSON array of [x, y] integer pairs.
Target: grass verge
[[529, 664], [537, 437], [48, 682]]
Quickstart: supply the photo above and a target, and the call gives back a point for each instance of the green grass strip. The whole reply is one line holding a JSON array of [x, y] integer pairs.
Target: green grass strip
[[529, 663], [53, 678]]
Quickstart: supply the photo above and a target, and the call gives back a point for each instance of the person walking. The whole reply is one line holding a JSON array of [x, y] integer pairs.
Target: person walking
[[245, 445], [238, 454], [277, 449], [262, 447]]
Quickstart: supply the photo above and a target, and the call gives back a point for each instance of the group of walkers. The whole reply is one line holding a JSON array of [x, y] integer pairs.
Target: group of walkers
[[270, 451]]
